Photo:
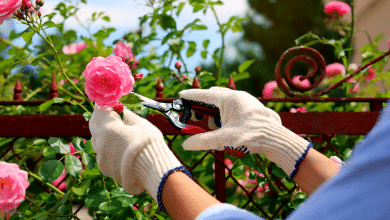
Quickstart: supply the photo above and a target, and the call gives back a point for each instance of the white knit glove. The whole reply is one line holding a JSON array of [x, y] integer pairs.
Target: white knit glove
[[248, 126], [133, 152]]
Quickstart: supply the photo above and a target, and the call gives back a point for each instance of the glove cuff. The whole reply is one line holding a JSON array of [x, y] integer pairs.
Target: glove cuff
[[285, 148], [153, 165]]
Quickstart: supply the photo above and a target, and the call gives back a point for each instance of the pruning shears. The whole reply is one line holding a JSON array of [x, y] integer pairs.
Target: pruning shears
[[185, 106]]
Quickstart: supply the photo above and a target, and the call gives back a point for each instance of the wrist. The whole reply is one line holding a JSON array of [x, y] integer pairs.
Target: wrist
[[153, 165], [285, 148]]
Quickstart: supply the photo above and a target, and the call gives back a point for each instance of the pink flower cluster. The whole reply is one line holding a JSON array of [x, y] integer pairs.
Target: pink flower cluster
[[125, 52], [8, 8], [13, 185], [107, 80], [74, 48], [249, 184], [337, 8], [371, 74], [335, 69], [299, 109]]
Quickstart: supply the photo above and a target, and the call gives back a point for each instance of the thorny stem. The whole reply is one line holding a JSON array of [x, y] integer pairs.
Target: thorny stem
[[219, 65], [270, 183]]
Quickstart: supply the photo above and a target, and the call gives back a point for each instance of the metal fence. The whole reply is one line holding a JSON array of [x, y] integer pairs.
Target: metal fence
[[320, 127]]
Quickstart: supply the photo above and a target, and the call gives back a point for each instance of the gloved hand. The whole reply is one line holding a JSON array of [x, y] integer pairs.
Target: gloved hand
[[133, 151], [248, 126]]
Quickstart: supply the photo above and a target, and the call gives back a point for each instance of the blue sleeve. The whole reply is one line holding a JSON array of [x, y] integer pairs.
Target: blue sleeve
[[225, 211], [361, 190]]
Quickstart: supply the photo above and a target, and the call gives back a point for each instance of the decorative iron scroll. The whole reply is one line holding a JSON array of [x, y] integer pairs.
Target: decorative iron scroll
[[316, 70]]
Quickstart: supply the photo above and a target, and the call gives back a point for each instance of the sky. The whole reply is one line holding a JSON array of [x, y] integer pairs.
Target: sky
[[124, 16]]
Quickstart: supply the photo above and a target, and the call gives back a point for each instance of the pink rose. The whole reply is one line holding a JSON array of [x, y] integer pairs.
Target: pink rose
[[73, 48], [269, 89], [337, 160], [297, 81], [8, 8], [13, 185], [125, 52], [107, 80], [371, 74], [337, 8], [335, 69]]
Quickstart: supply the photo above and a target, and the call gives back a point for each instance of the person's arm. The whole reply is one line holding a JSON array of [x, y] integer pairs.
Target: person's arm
[[314, 170], [183, 198]]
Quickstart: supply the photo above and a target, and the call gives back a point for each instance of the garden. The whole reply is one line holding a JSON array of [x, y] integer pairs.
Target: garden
[[48, 90]]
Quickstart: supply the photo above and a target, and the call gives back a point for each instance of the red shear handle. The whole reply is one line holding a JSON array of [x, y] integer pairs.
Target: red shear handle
[[191, 130]]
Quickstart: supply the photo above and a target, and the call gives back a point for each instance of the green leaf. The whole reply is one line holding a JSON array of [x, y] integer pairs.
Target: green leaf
[[168, 37], [78, 143], [39, 142], [49, 153], [206, 43], [198, 7], [45, 105], [167, 21], [111, 207], [36, 60], [278, 171], [245, 65], [239, 170], [87, 116], [307, 38], [73, 165], [179, 8], [49, 198], [49, 24], [130, 98], [51, 170], [6, 141], [199, 27], [88, 160], [192, 49], [27, 36], [249, 161], [82, 189], [204, 54], [347, 154], [96, 196], [59, 145], [106, 18], [88, 147]]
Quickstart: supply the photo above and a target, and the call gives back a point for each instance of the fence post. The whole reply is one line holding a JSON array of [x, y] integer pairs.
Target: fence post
[[220, 183], [159, 89], [18, 91], [53, 88]]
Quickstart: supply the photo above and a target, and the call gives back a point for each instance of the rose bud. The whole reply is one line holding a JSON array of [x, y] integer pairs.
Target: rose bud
[[118, 108], [198, 70], [178, 65], [138, 77]]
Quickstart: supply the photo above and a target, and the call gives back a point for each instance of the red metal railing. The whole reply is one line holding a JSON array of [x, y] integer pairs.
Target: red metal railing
[[323, 124]]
